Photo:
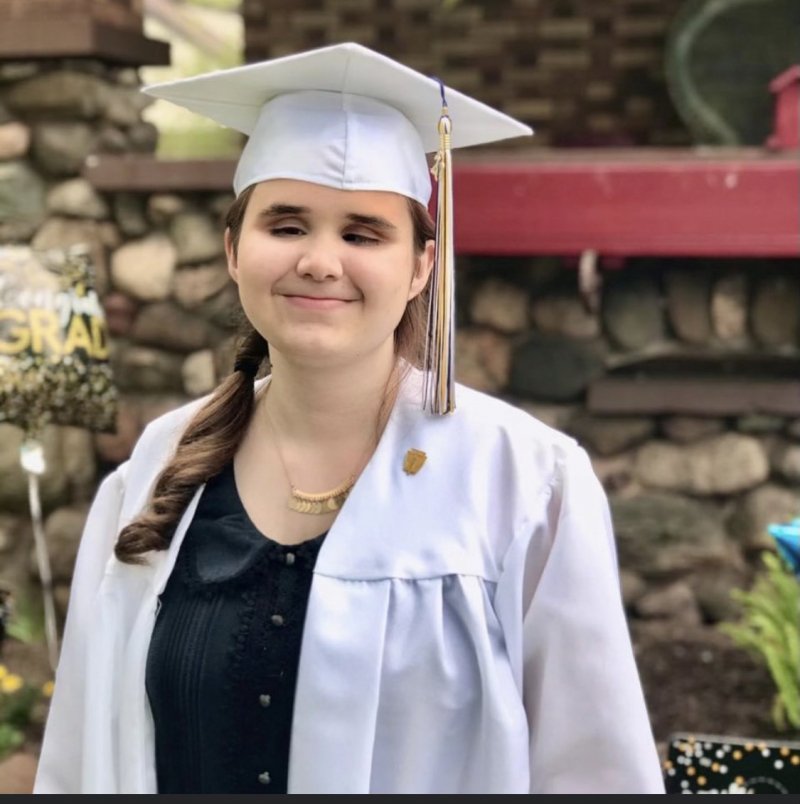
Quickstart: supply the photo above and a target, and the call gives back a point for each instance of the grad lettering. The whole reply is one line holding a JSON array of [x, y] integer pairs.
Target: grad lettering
[[41, 332]]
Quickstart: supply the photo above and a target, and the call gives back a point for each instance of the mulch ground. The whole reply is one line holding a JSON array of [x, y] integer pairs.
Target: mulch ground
[[696, 680]]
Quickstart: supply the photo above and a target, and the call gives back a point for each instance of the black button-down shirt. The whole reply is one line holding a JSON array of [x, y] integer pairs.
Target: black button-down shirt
[[222, 665]]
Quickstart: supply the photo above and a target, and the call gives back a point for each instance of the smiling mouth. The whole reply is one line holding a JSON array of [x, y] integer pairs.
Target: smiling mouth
[[316, 302], [317, 298]]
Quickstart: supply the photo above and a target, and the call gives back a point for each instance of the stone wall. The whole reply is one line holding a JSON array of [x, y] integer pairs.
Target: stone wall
[[690, 496], [581, 72], [157, 260]]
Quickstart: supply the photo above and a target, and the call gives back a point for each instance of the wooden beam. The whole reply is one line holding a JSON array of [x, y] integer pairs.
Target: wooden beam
[[78, 37], [147, 174], [694, 396], [742, 203]]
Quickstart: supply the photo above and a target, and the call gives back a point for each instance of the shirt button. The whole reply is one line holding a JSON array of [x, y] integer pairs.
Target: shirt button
[[264, 778], [290, 558], [277, 620], [265, 700]]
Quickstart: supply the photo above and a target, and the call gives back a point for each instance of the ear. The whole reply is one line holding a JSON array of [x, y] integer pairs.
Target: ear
[[230, 254], [422, 271]]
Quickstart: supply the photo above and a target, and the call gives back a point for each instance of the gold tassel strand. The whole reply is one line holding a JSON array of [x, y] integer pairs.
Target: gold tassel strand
[[439, 388]]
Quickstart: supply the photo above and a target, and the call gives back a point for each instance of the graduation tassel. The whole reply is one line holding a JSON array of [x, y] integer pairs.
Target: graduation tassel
[[439, 387]]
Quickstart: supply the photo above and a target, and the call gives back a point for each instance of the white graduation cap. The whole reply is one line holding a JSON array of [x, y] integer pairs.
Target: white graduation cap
[[349, 118]]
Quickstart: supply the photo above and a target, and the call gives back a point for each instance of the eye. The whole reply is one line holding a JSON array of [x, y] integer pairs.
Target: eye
[[360, 239], [286, 231]]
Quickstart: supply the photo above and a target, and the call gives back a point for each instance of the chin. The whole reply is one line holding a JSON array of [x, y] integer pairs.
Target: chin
[[321, 350]]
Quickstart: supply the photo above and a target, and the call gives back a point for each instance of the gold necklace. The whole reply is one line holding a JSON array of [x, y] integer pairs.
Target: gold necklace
[[304, 502]]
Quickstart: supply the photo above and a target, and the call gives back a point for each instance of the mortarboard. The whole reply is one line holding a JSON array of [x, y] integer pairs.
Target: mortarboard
[[352, 119]]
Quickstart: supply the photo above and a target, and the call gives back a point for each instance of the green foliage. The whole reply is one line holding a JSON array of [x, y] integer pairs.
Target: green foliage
[[11, 738], [201, 42], [17, 700], [769, 629], [16, 710], [199, 142], [27, 620], [22, 630]]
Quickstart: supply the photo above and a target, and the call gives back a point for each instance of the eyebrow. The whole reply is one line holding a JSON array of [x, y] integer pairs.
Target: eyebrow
[[374, 221], [276, 210]]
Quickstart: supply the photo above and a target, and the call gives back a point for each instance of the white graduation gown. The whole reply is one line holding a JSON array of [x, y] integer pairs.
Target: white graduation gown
[[464, 634]]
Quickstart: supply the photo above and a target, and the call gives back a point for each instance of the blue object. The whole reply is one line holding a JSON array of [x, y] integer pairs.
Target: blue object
[[787, 537]]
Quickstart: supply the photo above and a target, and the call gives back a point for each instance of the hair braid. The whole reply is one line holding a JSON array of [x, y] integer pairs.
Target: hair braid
[[208, 443]]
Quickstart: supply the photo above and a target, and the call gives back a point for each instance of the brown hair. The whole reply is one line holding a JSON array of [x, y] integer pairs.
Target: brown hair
[[213, 436]]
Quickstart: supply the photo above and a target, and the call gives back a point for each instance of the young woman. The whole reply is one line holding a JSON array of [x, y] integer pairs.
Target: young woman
[[235, 626]]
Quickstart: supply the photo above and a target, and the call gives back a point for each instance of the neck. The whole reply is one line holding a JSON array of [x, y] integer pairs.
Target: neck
[[333, 406]]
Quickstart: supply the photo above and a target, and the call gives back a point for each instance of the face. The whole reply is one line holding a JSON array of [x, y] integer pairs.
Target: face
[[325, 275]]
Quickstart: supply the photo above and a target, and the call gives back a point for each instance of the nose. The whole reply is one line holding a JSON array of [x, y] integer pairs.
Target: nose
[[319, 261]]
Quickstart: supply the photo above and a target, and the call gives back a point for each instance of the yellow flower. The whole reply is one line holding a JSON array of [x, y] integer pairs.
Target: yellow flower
[[3, 672], [11, 683], [47, 689]]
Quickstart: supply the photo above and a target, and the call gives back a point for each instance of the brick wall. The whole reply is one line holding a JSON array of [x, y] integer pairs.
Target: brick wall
[[114, 12], [582, 72]]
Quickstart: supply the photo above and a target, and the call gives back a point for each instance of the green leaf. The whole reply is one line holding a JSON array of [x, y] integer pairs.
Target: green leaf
[[769, 629]]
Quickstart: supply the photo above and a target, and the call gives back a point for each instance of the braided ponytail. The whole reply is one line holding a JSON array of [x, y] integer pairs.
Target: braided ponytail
[[208, 443], [206, 446]]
